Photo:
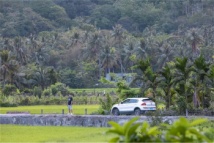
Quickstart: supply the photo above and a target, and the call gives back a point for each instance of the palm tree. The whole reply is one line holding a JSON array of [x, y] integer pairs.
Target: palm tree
[[142, 50], [148, 77], [109, 58], [210, 82], [118, 35], [201, 69], [129, 52], [92, 49], [19, 50], [210, 76], [194, 39], [166, 83], [52, 76], [40, 77], [182, 74], [9, 67], [151, 81]]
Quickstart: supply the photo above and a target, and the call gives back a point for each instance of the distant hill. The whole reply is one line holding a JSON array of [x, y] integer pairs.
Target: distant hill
[[26, 17]]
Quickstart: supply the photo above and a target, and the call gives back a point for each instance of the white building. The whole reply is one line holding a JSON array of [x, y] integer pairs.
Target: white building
[[128, 77]]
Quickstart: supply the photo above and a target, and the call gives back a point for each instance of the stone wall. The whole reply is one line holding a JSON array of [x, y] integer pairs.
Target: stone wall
[[69, 120]]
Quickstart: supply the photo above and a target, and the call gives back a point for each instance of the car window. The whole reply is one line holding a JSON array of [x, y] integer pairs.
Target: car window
[[147, 100], [133, 101], [126, 101]]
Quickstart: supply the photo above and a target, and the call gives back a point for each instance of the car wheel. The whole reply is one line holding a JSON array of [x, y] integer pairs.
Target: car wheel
[[137, 112], [115, 112]]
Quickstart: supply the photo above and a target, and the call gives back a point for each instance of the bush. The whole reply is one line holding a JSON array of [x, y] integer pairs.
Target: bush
[[181, 130], [59, 87], [181, 104], [8, 101], [25, 101], [7, 104], [46, 92], [37, 91], [106, 104], [27, 91], [9, 90], [128, 93]]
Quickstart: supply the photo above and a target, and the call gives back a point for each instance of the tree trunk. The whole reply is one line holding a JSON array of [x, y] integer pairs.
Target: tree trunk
[[195, 97]]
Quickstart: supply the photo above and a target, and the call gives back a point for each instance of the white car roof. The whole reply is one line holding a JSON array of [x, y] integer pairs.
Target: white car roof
[[139, 98]]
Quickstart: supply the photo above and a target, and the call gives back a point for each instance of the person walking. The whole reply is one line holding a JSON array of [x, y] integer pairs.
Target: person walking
[[70, 99]]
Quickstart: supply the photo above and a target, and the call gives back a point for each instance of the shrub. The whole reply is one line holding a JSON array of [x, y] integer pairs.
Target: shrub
[[37, 91], [46, 92], [59, 87], [27, 91], [181, 130], [128, 93], [54, 89], [181, 104], [106, 104], [7, 104], [9, 90], [25, 101]]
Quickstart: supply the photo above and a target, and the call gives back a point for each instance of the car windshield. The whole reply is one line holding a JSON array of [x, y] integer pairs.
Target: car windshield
[[147, 100]]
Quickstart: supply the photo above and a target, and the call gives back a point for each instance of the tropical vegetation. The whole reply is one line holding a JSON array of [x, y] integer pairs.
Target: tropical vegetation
[[49, 48]]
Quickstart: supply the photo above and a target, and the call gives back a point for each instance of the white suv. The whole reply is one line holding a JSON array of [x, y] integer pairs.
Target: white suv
[[134, 106]]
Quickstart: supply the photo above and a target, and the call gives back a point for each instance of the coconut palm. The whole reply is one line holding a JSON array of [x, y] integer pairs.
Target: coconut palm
[[19, 50], [92, 51], [129, 48], [40, 77], [165, 54], [194, 39], [142, 51], [118, 35], [109, 58], [9, 67]]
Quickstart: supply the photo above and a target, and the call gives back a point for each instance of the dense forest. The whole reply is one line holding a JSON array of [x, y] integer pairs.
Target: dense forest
[[77, 42]]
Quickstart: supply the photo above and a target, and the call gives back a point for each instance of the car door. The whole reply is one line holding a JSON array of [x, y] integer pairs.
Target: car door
[[124, 105], [132, 104], [128, 105]]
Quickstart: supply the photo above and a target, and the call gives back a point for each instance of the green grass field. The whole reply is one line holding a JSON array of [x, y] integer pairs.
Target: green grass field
[[55, 109], [17, 133], [51, 109]]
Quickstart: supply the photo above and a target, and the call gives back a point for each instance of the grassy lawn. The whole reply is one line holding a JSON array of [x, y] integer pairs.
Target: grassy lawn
[[17, 133], [51, 109], [55, 109]]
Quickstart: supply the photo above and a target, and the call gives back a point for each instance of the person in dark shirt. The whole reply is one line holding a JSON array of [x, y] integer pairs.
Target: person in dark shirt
[[70, 99]]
